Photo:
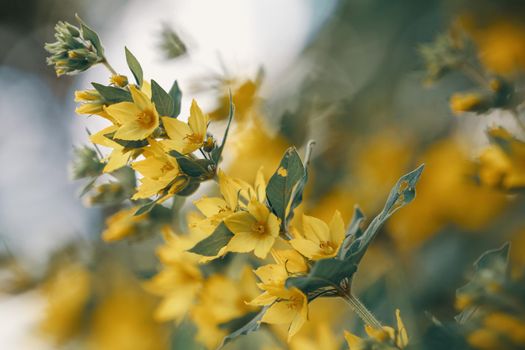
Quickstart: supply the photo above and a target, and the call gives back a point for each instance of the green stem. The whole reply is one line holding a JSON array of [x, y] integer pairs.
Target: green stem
[[361, 310], [109, 67]]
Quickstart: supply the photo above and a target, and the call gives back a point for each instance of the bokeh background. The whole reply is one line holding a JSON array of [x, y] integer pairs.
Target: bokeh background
[[348, 74]]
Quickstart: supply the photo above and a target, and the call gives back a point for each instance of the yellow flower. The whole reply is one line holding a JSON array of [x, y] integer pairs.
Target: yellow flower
[[386, 335], [503, 167], [319, 240], [159, 170], [136, 120], [122, 224], [91, 103], [119, 80], [124, 320], [66, 294], [291, 308], [465, 102], [255, 229], [119, 156], [222, 299], [186, 138], [179, 283]]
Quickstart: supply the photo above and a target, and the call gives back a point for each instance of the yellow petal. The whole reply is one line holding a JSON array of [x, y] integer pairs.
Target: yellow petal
[[240, 222], [279, 313], [305, 247], [140, 99], [260, 185], [123, 112], [263, 246], [211, 206], [353, 341], [197, 121], [259, 211], [315, 229], [337, 228], [402, 339], [116, 160], [242, 243], [133, 131]]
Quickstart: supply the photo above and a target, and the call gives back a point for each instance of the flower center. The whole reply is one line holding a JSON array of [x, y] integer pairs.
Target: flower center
[[167, 167], [194, 138], [327, 247], [259, 228], [294, 303], [146, 119]]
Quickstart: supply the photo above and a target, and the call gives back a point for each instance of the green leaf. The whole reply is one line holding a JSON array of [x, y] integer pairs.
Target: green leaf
[[211, 245], [163, 101], [401, 194], [494, 257], [196, 168], [91, 35], [113, 94], [354, 231], [190, 188], [326, 273], [249, 327], [329, 273], [176, 96], [134, 67], [129, 144], [88, 186], [282, 183], [217, 152], [297, 196], [146, 208]]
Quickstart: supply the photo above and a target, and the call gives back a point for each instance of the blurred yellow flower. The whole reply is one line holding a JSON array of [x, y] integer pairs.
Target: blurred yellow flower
[[136, 120], [122, 224], [66, 295], [503, 166], [397, 339], [244, 98], [319, 240], [465, 102], [222, 299], [119, 156], [186, 138], [123, 320]]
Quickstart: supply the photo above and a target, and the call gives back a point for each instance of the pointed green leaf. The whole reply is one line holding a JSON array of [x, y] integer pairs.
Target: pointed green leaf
[[354, 231], [326, 273], [211, 245], [91, 35], [297, 196], [217, 151], [401, 194], [163, 101], [249, 327], [176, 96], [282, 183], [134, 67], [113, 94]]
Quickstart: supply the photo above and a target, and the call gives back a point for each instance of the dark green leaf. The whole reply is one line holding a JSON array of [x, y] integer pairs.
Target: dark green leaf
[[163, 101], [211, 245], [249, 327], [196, 168], [146, 208], [297, 196], [354, 231], [283, 181], [326, 273], [176, 96], [91, 35], [134, 67], [190, 188], [113, 94], [401, 194], [217, 152]]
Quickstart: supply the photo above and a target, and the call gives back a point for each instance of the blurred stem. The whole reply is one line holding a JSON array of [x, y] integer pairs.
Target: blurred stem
[[109, 67], [361, 310], [475, 75]]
